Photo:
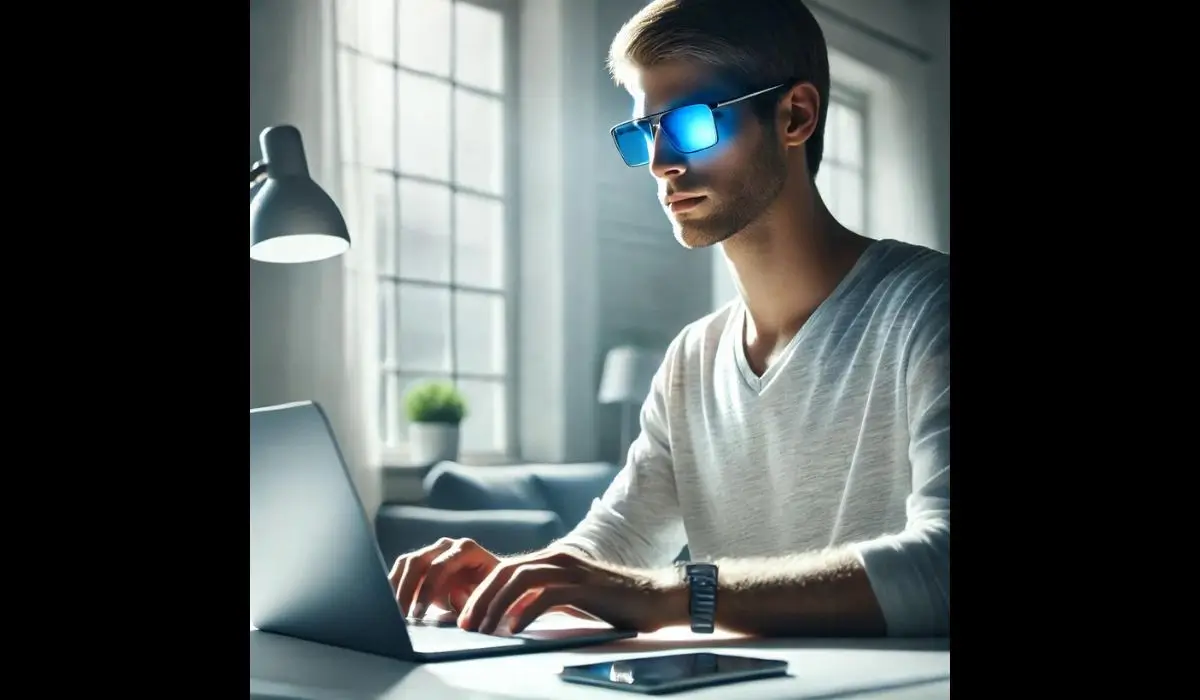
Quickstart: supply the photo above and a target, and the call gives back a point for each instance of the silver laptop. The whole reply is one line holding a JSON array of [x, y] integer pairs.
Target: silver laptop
[[316, 572]]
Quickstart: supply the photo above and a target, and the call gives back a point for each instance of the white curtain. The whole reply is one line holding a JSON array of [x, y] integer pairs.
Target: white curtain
[[307, 338], [360, 283]]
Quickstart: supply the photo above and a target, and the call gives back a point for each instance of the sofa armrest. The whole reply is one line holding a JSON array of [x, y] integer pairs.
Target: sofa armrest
[[403, 528]]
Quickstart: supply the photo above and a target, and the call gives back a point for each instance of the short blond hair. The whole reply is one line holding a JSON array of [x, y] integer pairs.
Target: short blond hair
[[752, 43]]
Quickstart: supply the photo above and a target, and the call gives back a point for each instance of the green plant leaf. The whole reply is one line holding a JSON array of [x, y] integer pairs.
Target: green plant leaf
[[435, 402]]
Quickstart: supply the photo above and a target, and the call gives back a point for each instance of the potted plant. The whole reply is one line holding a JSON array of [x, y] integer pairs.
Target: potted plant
[[435, 411]]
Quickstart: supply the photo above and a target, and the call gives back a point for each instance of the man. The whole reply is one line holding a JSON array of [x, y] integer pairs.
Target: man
[[797, 440]]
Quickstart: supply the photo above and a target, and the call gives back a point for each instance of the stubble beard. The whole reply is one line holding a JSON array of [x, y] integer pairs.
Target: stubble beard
[[740, 209]]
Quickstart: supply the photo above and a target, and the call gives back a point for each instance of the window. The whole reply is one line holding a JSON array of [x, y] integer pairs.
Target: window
[[842, 178], [425, 122]]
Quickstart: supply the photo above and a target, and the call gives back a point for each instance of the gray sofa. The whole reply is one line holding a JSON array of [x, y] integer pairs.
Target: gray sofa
[[506, 509]]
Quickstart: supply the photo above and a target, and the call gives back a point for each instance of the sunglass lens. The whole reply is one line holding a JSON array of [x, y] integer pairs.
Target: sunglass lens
[[633, 144], [691, 128]]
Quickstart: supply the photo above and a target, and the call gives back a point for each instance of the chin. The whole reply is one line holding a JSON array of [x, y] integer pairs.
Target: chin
[[690, 235], [703, 226]]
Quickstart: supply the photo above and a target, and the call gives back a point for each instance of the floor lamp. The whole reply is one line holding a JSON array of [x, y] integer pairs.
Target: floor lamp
[[628, 371]]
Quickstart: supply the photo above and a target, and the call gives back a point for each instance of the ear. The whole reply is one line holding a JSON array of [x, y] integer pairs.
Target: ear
[[798, 113]]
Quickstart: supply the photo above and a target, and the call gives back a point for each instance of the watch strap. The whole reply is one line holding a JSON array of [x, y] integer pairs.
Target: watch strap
[[702, 596]]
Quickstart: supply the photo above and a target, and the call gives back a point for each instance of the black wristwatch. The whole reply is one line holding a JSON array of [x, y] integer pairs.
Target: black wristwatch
[[702, 596]]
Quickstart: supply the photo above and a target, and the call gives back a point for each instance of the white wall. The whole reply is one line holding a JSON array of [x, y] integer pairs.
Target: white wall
[[600, 266], [557, 297]]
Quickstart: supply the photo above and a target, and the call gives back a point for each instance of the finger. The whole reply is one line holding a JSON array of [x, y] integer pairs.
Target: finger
[[477, 604], [457, 598], [480, 600], [526, 578], [415, 566], [397, 570], [533, 605], [432, 589]]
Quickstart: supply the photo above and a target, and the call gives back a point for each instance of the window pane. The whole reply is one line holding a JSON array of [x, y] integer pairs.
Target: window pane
[[389, 334], [850, 136], [478, 47], [479, 238], [425, 35], [391, 410], [382, 210], [377, 28], [347, 22], [484, 428], [479, 142], [833, 133], [347, 93], [424, 126], [850, 198], [425, 231], [424, 329], [479, 333], [376, 93]]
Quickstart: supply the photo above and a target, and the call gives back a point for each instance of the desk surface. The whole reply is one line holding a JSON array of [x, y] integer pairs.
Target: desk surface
[[281, 667]]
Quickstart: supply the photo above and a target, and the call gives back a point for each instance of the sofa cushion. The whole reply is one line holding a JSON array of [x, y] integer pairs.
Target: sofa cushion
[[569, 489], [459, 487]]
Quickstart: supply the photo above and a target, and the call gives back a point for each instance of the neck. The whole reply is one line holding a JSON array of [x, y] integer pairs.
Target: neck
[[789, 261]]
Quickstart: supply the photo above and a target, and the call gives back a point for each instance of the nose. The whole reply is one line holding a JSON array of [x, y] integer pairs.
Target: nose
[[665, 161]]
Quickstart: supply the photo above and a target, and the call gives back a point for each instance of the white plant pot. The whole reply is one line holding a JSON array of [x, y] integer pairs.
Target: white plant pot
[[431, 443]]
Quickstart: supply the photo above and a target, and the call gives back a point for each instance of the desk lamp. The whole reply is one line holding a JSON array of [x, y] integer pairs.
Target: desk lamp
[[292, 220]]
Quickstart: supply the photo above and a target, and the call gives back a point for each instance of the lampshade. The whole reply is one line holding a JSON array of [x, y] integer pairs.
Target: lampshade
[[292, 219], [628, 371]]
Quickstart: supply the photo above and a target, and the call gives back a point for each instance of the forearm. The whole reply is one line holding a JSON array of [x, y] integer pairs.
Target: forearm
[[657, 584], [810, 595], [896, 585]]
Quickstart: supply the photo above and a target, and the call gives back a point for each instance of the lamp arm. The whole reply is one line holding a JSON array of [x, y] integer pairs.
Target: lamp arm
[[258, 173]]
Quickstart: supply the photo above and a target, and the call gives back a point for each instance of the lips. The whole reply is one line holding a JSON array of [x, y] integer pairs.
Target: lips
[[679, 197], [678, 204]]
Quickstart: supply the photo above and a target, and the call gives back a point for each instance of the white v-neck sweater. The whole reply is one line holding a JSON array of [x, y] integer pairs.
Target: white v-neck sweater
[[844, 440]]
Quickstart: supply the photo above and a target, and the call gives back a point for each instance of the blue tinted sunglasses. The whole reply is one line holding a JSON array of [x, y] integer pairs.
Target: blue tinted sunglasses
[[688, 129]]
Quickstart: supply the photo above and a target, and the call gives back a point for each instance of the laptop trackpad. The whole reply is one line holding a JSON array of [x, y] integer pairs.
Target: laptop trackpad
[[437, 637]]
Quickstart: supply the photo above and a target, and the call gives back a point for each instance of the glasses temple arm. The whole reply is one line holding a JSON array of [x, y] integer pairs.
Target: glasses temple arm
[[746, 97]]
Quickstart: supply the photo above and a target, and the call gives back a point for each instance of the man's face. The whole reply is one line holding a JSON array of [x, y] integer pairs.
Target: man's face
[[732, 182]]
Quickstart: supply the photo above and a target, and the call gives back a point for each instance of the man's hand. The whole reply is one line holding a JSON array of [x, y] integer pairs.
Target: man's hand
[[516, 591], [445, 573]]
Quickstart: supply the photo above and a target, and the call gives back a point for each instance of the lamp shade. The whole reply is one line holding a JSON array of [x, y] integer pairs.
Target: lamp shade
[[628, 371], [292, 220]]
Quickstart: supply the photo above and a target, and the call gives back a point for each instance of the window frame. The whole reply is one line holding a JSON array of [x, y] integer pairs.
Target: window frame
[[397, 454], [858, 101]]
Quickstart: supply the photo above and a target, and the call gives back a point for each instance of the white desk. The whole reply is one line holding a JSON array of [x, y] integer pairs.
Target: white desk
[[281, 667]]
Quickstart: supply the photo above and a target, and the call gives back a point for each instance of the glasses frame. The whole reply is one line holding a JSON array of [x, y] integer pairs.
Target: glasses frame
[[655, 121]]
